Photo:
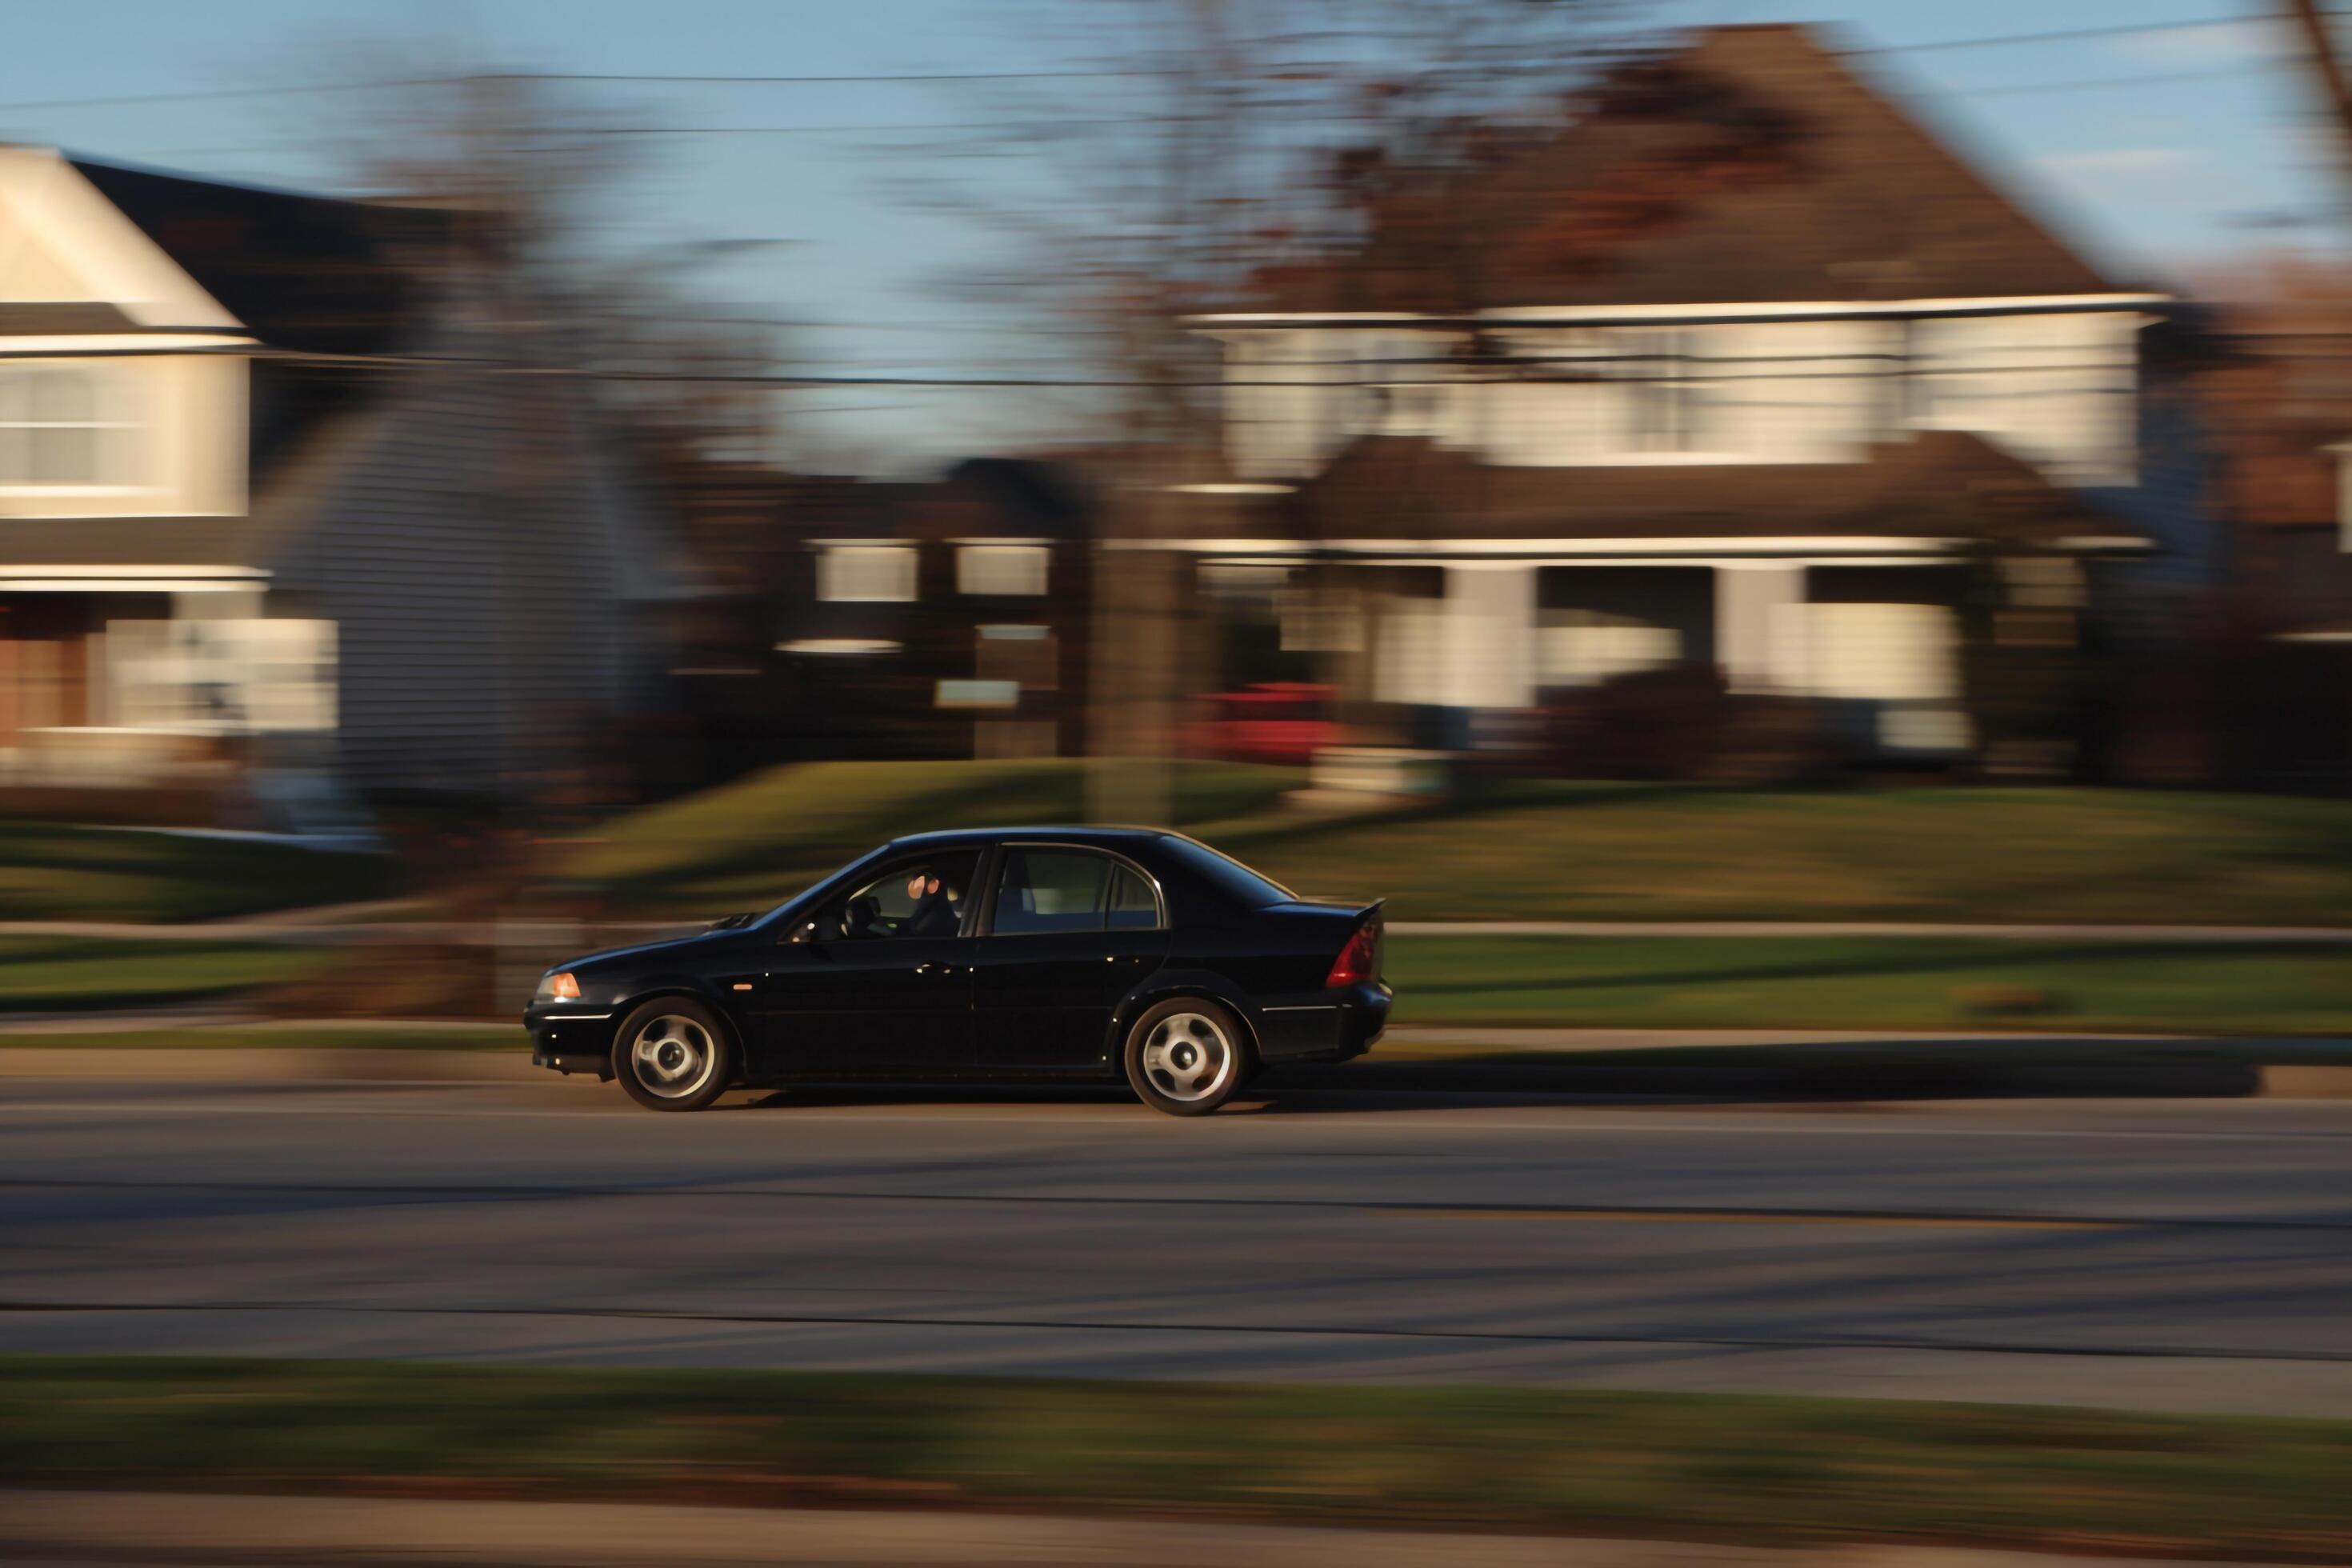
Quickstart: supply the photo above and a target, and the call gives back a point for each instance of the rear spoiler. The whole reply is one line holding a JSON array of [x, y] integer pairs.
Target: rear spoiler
[[1361, 911]]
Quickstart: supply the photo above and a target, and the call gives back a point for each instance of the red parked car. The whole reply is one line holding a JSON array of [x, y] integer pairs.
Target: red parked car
[[1283, 722]]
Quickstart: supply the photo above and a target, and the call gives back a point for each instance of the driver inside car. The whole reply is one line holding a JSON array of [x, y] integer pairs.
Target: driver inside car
[[935, 913]]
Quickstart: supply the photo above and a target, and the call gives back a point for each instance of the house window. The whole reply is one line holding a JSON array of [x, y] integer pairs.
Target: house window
[[868, 572], [1664, 412], [1001, 571], [1030, 657], [1588, 648], [62, 424]]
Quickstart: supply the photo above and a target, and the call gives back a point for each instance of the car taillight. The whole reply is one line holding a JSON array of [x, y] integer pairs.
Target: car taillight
[[1354, 965]]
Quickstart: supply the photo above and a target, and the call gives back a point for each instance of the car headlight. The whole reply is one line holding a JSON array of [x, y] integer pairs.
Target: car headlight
[[561, 986]]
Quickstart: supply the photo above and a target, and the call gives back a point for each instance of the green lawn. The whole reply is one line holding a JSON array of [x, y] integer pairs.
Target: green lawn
[[1815, 1472], [1881, 982], [1696, 982], [65, 973], [755, 842], [56, 871], [2006, 856], [1563, 851]]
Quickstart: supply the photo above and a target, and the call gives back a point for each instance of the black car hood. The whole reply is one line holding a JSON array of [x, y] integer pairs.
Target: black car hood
[[679, 944]]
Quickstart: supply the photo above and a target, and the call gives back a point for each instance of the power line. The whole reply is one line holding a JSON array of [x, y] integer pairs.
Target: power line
[[864, 129], [861, 78], [651, 78], [2062, 35], [2085, 84], [2091, 84], [227, 92]]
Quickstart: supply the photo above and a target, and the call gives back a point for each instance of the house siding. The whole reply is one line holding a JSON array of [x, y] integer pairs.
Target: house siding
[[2055, 388], [486, 570]]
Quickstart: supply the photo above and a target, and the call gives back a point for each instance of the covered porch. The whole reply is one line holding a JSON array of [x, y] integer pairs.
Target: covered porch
[[138, 678], [1437, 651], [1443, 602]]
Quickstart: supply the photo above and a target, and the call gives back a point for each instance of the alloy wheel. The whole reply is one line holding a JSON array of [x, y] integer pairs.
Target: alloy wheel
[[672, 1056], [1188, 1058]]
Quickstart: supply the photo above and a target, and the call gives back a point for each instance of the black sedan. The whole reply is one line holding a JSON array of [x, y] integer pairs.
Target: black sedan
[[1029, 955]]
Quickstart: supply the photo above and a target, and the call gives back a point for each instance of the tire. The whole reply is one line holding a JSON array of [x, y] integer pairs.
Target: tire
[[1186, 1056], [673, 1054]]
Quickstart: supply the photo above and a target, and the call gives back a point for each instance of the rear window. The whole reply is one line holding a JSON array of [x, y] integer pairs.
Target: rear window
[[1227, 874]]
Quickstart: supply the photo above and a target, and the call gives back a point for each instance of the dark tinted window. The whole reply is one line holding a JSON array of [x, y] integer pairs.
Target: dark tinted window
[[1132, 907], [1052, 890], [1227, 874]]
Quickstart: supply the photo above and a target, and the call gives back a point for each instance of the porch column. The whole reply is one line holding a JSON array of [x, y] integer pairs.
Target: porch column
[[1759, 627], [1490, 630]]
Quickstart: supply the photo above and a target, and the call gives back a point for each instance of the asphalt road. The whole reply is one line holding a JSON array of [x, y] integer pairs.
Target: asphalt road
[[2188, 1255]]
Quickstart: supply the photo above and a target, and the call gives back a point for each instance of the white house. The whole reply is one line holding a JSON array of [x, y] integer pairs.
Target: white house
[[1747, 425], [266, 486]]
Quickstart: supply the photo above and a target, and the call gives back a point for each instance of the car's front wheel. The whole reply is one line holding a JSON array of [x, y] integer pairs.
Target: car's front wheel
[[1186, 1056], [673, 1054]]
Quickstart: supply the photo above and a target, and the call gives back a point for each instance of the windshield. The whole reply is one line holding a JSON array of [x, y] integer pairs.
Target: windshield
[[1227, 874], [802, 897]]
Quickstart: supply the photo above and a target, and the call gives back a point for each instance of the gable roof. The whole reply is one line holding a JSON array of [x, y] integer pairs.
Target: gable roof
[[301, 272], [1757, 165]]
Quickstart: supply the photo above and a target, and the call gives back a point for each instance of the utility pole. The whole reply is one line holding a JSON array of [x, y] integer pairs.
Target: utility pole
[[1136, 645]]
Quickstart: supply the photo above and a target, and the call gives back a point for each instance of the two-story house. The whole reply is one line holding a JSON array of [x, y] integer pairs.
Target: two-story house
[[271, 487], [948, 618], [1795, 366]]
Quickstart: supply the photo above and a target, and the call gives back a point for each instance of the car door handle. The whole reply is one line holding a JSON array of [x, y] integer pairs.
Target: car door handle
[[936, 971]]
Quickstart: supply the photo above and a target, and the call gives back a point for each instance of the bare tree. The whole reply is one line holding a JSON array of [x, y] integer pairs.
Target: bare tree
[[539, 176], [1245, 143]]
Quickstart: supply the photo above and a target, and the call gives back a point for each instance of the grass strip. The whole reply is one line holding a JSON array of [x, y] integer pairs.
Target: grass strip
[[1697, 1466], [246, 1037], [61, 871], [63, 973], [1872, 983], [1530, 849], [753, 842]]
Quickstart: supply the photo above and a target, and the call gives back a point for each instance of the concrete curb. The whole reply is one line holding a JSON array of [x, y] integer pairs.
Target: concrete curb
[[2335, 936], [2300, 1082], [360, 1064], [263, 1065]]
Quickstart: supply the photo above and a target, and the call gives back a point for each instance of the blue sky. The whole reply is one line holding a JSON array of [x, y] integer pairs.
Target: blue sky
[[2157, 178]]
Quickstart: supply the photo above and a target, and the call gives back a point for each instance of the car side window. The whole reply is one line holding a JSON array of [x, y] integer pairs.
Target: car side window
[[1069, 890], [1052, 891], [1132, 905], [886, 905]]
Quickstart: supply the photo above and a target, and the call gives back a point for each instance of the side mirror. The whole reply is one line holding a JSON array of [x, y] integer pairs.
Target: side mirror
[[804, 931]]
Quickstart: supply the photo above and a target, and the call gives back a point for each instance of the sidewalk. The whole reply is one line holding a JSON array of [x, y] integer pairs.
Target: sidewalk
[[148, 1527]]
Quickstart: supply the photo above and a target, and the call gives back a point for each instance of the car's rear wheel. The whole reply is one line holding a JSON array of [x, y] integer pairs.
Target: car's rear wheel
[[1187, 1057], [673, 1054]]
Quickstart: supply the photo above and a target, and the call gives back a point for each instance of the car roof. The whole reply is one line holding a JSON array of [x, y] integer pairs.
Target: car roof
[[1065, 832]]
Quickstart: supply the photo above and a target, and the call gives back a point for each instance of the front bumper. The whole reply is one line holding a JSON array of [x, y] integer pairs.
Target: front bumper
[[569, 1037]]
